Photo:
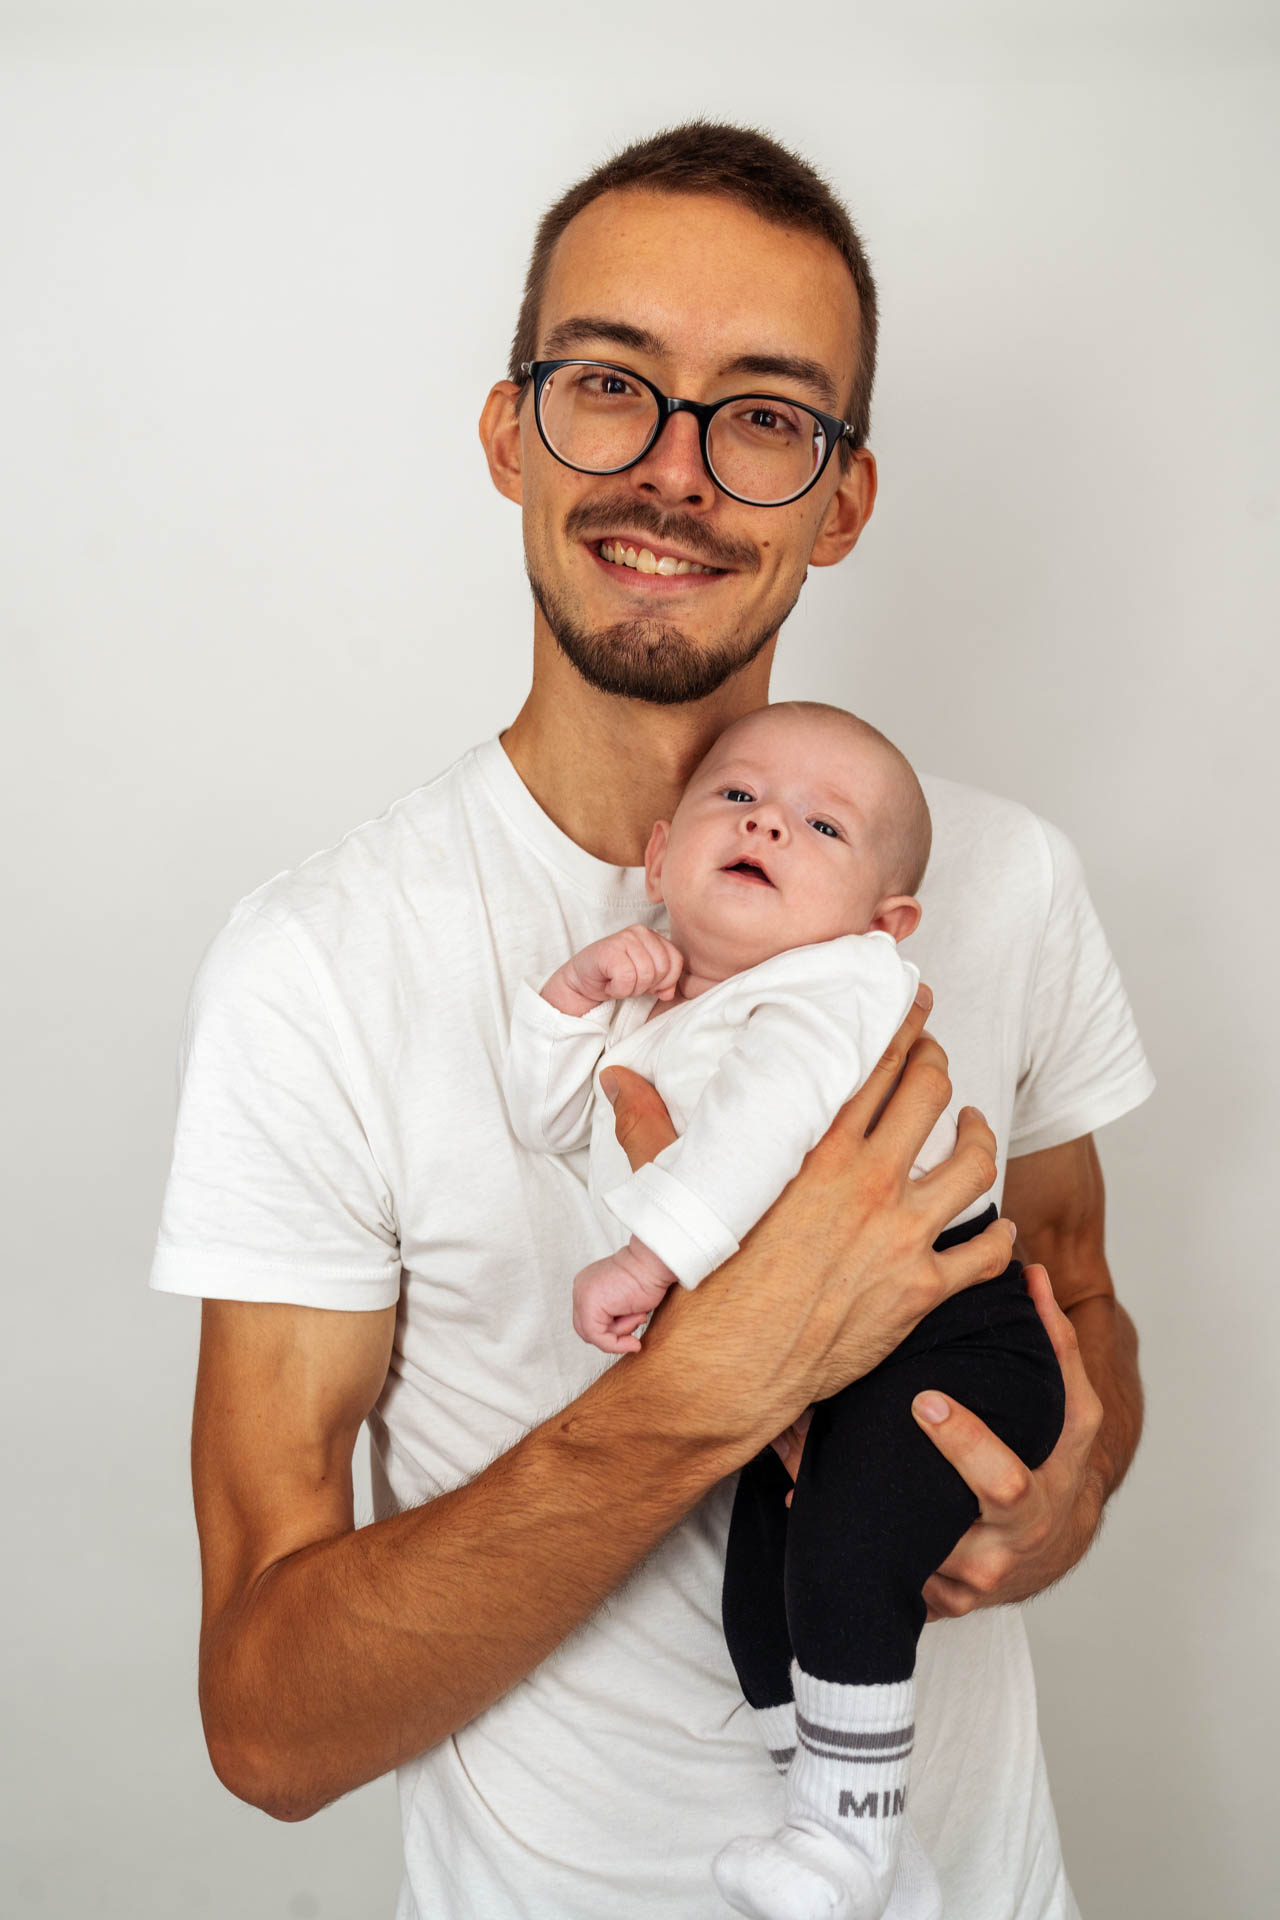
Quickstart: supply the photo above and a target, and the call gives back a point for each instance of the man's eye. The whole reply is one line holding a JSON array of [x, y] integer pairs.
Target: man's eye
[[603, 384], [737, 793], [825, 826]]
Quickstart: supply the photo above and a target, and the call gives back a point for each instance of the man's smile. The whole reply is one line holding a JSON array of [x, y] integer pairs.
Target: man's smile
[[631, 564], [623, 554]]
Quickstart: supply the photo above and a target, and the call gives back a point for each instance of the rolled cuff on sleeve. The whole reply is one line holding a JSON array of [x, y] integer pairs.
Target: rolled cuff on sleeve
[[211, 1275], [679, 1227], [532, 1011], [1085, 1115]]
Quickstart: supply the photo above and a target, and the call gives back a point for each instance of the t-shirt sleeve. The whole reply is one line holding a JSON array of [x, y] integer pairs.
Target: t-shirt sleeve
[[273, 1192], [1083, 1063]]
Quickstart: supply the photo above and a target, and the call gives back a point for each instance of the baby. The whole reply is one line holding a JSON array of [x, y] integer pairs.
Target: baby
[[789, 872]]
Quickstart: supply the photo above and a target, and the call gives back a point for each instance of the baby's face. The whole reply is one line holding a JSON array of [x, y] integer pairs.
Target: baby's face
[[776, 842]]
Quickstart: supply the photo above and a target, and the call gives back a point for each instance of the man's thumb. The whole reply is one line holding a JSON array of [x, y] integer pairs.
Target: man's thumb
[[640, 1119]]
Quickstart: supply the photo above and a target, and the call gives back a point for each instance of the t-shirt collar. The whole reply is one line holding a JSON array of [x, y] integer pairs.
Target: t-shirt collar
[[622, 886]]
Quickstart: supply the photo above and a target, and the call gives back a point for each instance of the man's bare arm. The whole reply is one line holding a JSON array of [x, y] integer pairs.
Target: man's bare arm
[[330, 1654], [1061, 1224], [1035, 1526]]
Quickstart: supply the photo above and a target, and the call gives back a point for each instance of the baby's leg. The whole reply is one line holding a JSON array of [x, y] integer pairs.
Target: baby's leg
[[877, 1508], [754, 1605]]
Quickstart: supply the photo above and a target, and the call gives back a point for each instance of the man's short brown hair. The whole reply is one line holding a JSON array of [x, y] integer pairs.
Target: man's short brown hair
[[705, 156]]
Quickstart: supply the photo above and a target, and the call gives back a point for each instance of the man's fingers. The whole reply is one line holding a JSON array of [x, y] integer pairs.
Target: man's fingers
[[907, 1109], [988, 1468], [640, 1119], [947, 1599], [790, 1445], [982, 1258], [861, 1113], [968, 1172], [1083, 1414]]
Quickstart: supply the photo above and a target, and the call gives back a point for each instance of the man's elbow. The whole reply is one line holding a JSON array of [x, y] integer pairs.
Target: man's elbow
[[260, 1779]]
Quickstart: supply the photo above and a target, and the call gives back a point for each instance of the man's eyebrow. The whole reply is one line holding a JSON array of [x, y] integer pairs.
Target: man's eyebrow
[[788, 366], [584, 328]]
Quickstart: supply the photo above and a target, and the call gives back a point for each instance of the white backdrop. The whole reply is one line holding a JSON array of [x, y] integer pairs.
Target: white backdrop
[[261, 266]]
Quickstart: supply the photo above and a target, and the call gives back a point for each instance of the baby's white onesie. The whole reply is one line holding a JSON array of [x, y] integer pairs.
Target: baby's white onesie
[[753, 1071]]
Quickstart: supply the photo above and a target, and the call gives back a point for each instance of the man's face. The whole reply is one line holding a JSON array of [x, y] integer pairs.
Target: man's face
[[779, 841], [705, 299]]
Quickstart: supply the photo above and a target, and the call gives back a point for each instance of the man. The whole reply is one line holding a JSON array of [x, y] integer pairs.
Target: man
[[530, 1629]]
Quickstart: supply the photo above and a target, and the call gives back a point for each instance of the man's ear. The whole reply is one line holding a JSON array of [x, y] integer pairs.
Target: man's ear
[[848, 510], [500, 438], [653, 858], [898, 915]]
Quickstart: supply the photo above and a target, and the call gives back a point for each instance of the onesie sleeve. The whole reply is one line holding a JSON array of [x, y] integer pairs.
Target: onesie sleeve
[[1083, 1063], [803, 1051], [547, 1070], [274, 1192]]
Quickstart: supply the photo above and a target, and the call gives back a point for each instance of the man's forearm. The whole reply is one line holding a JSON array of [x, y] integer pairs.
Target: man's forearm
[[1058, 1198], [1109, 1349], [358, 1652]]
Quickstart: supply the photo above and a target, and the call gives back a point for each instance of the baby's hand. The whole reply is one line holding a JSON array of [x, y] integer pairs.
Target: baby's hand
[[612, 1297], [620, 966]]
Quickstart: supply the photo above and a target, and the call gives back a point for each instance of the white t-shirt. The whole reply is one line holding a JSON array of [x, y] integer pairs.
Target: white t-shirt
[[342, 1141], [752, 1072]]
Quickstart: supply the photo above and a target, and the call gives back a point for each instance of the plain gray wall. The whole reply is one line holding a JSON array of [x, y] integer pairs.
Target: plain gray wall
[[261, 266]]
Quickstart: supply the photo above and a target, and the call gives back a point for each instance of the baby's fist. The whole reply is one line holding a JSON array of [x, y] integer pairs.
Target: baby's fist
[[626, 964]]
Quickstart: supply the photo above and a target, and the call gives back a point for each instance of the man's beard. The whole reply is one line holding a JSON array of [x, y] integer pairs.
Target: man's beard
[[648, 659]]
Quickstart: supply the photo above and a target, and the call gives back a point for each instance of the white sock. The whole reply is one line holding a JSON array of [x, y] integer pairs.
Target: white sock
[[853, 1754], [778, 1731], [836, 1856]]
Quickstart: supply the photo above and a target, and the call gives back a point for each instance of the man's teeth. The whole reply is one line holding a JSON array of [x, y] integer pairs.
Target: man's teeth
[[645, 562]]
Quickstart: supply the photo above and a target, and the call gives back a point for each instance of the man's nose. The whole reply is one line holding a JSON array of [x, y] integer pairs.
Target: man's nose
[[672, 470]]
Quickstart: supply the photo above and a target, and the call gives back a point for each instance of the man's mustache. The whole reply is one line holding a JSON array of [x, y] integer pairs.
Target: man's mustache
[[623, 513]]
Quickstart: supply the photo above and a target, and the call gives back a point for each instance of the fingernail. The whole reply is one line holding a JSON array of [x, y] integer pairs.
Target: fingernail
[[609, 1086], [924, 997], [931, 1407], [1010, 1229]]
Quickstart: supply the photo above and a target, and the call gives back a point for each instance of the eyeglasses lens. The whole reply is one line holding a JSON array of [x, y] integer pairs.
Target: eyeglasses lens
[[595, 417], [760, 447], [764, 450]]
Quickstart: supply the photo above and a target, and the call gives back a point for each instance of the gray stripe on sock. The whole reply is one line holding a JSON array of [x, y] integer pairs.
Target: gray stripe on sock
[[782, 1757], [872, 1742], [855, 1759], [851, 1758]]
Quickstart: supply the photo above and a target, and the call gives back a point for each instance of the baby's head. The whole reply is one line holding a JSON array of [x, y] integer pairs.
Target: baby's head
[[802, 823]]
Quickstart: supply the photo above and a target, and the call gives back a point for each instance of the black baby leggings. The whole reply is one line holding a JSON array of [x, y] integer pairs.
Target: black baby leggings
[[835, 1580]]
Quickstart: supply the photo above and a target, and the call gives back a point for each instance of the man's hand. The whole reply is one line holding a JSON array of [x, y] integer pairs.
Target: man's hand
[[1034, 1527], [1034, 1524], [840, 1269]]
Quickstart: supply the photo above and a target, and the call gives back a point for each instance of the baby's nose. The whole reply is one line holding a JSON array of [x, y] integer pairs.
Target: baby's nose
[[763, 824]]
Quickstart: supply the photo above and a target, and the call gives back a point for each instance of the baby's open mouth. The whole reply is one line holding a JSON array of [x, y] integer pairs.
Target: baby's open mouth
[[750, 870]]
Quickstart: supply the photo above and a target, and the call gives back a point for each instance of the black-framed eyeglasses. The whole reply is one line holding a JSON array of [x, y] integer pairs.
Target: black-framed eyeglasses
[[759, 448]]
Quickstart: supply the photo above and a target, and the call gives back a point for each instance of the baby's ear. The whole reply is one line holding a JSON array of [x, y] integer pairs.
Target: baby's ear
[[653, 857], [898, 915]]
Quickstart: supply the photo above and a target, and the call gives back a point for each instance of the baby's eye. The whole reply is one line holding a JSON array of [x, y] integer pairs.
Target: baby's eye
[[825, 826], [737, 793]]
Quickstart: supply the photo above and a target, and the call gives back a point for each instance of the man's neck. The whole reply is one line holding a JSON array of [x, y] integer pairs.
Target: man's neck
[[604, 768]]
